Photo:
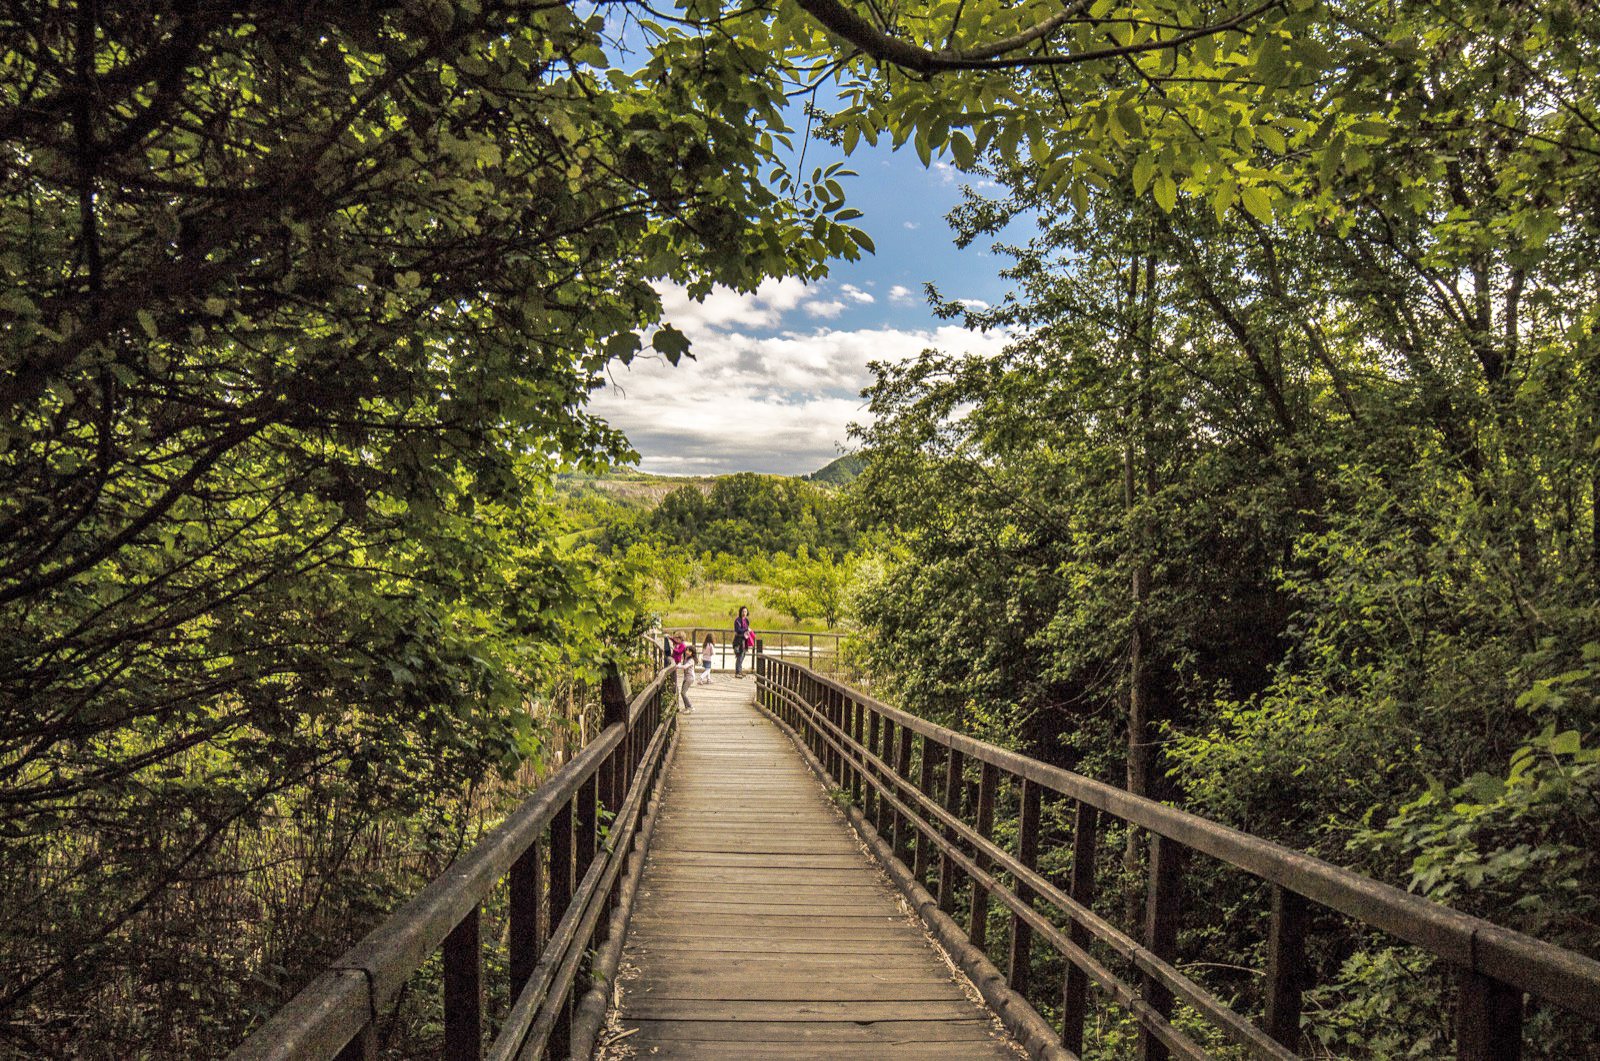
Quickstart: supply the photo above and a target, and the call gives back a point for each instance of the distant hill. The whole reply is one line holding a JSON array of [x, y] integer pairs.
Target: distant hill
[[840, 471], [633, 487]]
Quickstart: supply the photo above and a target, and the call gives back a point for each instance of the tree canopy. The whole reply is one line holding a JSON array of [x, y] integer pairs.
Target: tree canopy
[[300, 310]]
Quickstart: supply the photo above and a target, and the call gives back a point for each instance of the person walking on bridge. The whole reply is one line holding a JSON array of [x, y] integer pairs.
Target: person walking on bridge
[[683, 664], [743, 638], [708, 652]]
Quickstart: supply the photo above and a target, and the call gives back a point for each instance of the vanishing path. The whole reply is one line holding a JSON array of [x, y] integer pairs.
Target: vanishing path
[[762, 929]]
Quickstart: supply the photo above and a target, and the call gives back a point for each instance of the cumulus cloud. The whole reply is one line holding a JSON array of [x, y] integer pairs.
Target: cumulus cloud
[[901, 295], [757, 396], [725, 308], [830, 309], [855, 294]]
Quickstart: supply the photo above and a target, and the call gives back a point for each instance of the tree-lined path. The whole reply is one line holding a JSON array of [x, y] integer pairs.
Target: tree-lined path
[[761, 929]]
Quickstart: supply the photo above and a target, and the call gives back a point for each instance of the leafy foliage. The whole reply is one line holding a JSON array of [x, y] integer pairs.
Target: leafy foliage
[[299, 313]]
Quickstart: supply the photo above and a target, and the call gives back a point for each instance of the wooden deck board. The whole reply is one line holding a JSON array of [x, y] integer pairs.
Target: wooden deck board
[[762, 930]]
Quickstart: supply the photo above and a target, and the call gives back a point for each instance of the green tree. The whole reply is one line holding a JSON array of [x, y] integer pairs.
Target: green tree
[[299, 314]]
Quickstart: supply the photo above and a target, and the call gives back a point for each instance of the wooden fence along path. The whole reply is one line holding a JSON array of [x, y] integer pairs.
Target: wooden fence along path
[[762, 930], [692, 868]]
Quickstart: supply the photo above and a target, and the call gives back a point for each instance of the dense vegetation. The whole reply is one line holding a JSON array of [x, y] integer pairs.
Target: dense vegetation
[[300, 307], [1283, 503], [793, 540]]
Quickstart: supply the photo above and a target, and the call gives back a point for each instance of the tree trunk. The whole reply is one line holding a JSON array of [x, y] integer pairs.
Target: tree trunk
[[1136, 458]]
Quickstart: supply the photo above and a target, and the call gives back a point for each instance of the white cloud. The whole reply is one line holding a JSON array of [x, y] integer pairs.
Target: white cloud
[[973, 303], [901, 295], [912, 225], [829, 309], [759, 397], [855, 294], [725, 308]]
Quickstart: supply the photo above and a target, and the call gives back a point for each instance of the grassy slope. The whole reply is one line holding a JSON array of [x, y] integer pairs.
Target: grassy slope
[[716, 603]]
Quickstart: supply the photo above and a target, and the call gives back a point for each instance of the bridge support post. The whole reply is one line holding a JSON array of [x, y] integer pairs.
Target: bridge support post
[[614, 710], [525, 939], [978, 911], [1075, 994], [463, 991], [1160, 933], [925, 775], [1488, 1019], [1286, 965], [902, 770], [364, 1047], [1020, 965], [953, 783]]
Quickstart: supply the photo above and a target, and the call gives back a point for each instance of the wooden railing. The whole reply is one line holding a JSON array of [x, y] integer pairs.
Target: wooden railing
[[926, 799], [820, 650], [561, 855]]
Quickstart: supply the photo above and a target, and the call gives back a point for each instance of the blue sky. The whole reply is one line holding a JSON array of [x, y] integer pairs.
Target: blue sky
[[777, 376]]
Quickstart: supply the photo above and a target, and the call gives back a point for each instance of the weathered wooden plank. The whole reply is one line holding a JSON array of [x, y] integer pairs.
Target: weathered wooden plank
[[854, 1011], [775, 988], [898, 1032], [697, 1050], [865, 935], [824, 969], [730, 949]]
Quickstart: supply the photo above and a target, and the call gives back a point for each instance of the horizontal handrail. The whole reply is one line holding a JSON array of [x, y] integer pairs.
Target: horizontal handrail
[[327, 1018], [866, 747], [824, 645], [667, 629]]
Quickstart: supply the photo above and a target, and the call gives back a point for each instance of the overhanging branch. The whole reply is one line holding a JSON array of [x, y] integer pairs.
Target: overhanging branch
[[856, 31]]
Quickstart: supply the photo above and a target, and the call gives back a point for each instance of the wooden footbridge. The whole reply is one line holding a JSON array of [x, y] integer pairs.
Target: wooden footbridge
[[792, 869]]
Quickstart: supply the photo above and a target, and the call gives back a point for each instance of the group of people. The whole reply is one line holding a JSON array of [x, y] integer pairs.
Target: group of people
[[689, 663]]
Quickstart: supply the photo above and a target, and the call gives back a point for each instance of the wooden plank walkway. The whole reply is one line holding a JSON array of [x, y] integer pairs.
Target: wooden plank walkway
[[762, 929]]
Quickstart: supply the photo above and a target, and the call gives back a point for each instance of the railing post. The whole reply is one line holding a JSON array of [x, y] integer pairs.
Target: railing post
[[1488, 1019], [1075, 993], [953, 781], [858, 726], [364, 1047], [930, 752], [836, 703], [884, 752], [525, 941], [587, 832], [560, 863], [871, 805], [1285, 965], [1020, 965], [614, 711], [978, 921], [902, 770], [463, 991], [563, 845], [1160, 932]]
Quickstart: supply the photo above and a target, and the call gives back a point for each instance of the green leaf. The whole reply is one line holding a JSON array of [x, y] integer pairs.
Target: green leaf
[[623, 346], [961, 149], [1144, 168], [671, 342], [1566, 743], [1166, 193], [1258, 201]]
